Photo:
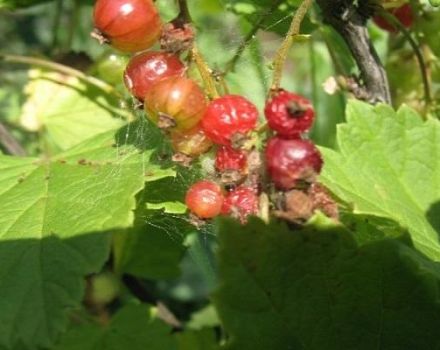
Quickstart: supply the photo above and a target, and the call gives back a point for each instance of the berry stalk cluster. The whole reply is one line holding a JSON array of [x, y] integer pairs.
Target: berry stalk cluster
[[194, 123]]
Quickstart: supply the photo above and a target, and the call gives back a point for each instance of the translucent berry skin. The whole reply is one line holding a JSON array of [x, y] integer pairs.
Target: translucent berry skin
[[240, 203], [289, 114], [192, 142], [177, 98], [128, 25], [147, 68], [205, 199], [228, 116], [404, 15], [291, 161], [228, 158]]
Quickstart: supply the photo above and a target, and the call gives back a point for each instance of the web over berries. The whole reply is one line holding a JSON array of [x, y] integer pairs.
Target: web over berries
[[258, 169]]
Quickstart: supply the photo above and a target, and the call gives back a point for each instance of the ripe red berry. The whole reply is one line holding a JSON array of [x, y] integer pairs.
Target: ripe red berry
[[228, 158], [240, 203], [191, 142], [148, 68], [403, 14], [127, 25], [291, 161], [229, 118], [289, 114], [204, 199], [175, 103]]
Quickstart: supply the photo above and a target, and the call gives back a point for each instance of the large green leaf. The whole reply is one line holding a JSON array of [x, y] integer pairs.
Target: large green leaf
[[66, 110], [388, 165], [135, 327], [48, 208], [314, 288]]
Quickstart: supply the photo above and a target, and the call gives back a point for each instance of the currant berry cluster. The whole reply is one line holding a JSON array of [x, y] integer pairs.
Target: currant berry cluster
[[404, 14], [179, 106]]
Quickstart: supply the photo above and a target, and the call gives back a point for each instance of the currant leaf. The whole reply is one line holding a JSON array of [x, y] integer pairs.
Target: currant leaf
[[388, 165]]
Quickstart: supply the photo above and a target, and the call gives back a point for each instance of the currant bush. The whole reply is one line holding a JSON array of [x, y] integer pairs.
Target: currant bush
[[404, 14], [291, 161], [205, 199], [289, 114], [240, 203], [191, 142], [228, 158], [148, 68], [175, 103], [127, 25], [228, 119]]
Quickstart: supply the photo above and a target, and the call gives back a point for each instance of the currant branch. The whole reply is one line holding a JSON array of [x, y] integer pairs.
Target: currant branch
[[33, 61], [203, 67], [349, 20], [281, 55], [415, 47]]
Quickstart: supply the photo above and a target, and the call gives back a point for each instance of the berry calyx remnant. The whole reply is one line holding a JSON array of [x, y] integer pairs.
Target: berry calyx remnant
[[289, 114], [290, 162], [147, 68], [127, 25], [204, 199], [175, 103], [240, 203], [404, 14], [228, 119]]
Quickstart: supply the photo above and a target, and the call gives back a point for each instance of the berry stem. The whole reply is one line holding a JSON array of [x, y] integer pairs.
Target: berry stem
[[415, 46], [294, 30], [184, 11], [202, 66], [205, 72], [62, 69]]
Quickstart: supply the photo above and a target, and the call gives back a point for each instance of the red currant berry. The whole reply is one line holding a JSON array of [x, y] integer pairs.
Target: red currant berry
[[403, 14], [175, 103], [204, 199], [289, 114], [240, 203], [291, 161], [229, 118], [148, 68], [191, 142], [127, 25], [228, 158]]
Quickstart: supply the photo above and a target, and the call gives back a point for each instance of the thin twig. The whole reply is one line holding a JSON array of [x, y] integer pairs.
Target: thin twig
[[415, 47], [33, 61], [9, 142], [294, 30], [230, 66]]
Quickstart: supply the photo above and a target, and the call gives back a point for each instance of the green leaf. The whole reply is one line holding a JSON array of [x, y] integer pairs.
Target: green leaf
[[434, 3], [388, 165], [204, 318], [153, 248], [67, 110], [276, 19], [314, 288], [134, 327], [49, 207], [13, 4], [201, 340]]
